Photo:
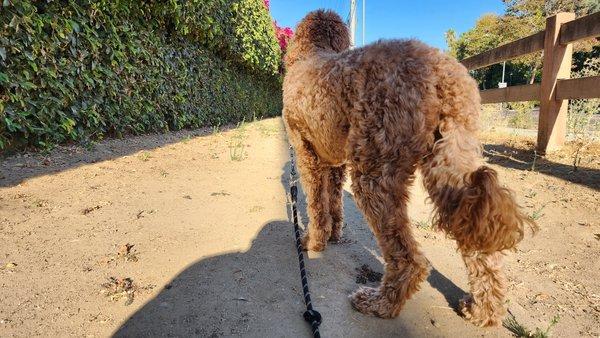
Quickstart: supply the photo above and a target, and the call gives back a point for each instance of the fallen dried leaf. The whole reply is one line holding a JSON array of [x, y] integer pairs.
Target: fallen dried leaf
[[90, 209]]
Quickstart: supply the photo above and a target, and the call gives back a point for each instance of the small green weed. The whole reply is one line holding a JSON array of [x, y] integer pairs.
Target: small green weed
[[236, 151], [537, 214], [236, 144], [256, 208], [423, 224], [267, 130], [531, 194], [144, 156], [521, 331]]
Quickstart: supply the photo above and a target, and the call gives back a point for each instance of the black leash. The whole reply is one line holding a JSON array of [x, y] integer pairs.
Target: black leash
[[312, 316]]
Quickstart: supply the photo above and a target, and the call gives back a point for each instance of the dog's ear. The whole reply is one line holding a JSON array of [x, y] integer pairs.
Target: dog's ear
[[319, 30]]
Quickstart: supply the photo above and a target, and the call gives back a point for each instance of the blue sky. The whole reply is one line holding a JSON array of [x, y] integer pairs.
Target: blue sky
[[426, 20]]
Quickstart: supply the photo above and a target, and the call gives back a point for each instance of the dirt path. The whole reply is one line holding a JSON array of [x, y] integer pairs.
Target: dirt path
[[213, 249]]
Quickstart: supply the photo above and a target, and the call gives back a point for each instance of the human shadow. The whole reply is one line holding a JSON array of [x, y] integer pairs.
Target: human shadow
[[235, 293], [523, 159], [258, 292], [18, 167]]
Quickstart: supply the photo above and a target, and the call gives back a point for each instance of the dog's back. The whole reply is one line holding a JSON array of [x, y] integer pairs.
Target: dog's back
[[404, 85]]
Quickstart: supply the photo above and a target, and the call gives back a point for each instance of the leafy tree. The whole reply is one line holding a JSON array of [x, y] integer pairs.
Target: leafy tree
[[521, 18]]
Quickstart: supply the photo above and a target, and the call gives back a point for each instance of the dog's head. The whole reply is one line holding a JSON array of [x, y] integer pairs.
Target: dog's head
[[319, 30]]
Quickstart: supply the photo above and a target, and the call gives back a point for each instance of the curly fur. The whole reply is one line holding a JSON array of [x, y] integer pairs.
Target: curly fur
[[384, 111]]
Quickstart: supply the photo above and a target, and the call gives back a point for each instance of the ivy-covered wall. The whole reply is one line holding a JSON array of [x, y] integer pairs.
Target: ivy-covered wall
[[83, 70], [239, 30]]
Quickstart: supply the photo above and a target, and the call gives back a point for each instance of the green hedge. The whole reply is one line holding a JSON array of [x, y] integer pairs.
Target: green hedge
[[239, 30], [79, 70]]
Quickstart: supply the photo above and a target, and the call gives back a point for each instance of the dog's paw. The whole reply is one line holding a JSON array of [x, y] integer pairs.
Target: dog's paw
[[370, 301], [309, 244], [479, 315], [336, 233], [336, 236]]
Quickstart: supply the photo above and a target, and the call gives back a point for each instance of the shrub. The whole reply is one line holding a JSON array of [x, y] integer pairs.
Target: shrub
[[77, 70], [284, 35], [581, 111], [522, 117], [238, 30]]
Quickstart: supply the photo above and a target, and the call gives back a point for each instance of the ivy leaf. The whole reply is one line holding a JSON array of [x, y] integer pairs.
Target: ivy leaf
[[27, 85], [3, 78], [75, 26]]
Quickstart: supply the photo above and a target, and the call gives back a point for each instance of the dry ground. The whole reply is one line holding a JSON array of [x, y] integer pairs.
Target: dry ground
[[187, 234]]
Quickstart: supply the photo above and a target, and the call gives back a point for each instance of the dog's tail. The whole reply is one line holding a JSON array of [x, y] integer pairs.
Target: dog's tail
[[470, 204]]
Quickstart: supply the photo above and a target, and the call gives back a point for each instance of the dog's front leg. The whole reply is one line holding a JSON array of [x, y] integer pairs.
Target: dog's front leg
[[337, 176]]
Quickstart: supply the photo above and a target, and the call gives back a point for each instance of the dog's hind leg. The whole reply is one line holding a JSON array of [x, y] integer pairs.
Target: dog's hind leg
[[480, 214], [337, 177], [382, 194], [315, 178], [485, 305]]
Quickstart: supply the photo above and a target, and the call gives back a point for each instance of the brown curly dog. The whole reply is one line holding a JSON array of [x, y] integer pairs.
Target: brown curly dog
[[385, 110]]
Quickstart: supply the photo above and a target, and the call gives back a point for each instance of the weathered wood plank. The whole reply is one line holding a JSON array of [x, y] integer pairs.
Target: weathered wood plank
[[526, 45], [552, 124], [580, 88], [530, 92], [585, 27]]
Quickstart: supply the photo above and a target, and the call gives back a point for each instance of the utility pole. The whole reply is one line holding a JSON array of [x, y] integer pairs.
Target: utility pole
[[363, 22], [352, 23]]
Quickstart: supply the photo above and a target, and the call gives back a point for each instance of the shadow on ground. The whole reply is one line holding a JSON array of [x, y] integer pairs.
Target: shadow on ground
[[16, 168], [236, 293], [249, 293], [522, 159]]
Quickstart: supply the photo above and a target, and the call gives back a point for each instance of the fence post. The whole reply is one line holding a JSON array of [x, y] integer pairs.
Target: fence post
[[552, 125]]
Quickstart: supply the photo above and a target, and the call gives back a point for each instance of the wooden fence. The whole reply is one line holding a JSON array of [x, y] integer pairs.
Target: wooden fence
[[556, 87]]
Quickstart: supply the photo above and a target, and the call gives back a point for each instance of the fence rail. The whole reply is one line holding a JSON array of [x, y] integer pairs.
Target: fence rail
[[524, 46], [530, 92], [581, 88], [556, 87], [582, 28]]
